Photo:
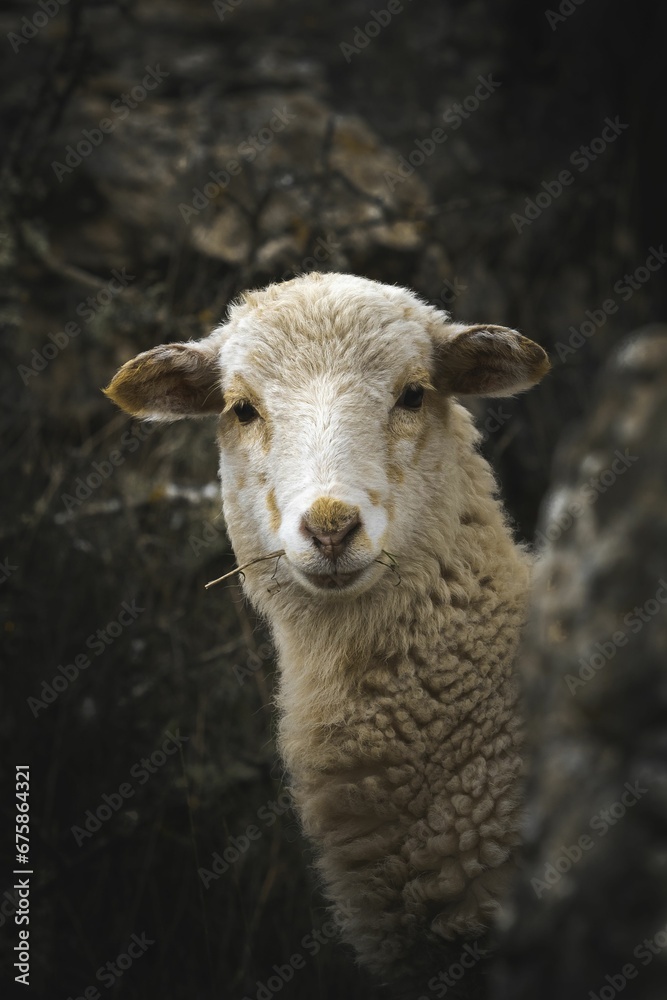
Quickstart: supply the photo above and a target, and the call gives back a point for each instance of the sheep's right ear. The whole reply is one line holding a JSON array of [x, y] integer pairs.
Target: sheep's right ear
[[169, 382]]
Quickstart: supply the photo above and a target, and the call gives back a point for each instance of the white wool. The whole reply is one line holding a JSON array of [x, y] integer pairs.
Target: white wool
[[400, 725]]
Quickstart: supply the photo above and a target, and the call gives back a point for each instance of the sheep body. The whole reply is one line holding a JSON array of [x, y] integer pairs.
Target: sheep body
[[400, 729], [399, 719]]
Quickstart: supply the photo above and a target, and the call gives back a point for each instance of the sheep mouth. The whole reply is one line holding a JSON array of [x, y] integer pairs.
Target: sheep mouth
[[334, 580]]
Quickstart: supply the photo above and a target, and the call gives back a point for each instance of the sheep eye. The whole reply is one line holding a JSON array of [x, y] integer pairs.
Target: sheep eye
[[245, 412], [412, 397]]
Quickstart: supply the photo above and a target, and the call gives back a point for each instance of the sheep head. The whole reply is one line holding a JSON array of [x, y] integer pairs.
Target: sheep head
[[338, 426]]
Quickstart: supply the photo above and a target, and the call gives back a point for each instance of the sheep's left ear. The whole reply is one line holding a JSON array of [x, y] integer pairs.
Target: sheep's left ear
[[487, 361]]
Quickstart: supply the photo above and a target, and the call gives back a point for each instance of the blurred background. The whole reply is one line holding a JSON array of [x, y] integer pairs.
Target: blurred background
[[504, 160]]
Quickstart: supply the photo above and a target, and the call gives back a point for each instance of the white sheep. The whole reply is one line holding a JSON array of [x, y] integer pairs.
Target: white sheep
[[397, 605]]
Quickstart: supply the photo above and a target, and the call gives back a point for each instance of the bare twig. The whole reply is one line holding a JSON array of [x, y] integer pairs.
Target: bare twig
[[277, 588], [239, 569], [392, 565], [38, 244]]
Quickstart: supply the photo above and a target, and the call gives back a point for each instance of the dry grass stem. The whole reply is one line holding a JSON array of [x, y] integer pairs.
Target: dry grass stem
[[239, 569], [391, 565]]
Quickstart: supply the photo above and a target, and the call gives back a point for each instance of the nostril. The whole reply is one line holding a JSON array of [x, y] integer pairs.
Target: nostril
[[331, 539], [351, 529]]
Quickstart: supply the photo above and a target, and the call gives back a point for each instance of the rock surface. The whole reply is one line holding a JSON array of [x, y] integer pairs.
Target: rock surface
[[590, 910]]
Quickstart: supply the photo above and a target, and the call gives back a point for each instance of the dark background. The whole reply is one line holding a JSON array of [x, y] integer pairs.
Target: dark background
[[150, 532]]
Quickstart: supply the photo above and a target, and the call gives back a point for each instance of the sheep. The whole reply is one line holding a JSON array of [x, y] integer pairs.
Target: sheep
[[398, 600]]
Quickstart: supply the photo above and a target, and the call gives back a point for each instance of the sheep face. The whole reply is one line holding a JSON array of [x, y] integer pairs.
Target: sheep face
[[335, 419], [322, 439]]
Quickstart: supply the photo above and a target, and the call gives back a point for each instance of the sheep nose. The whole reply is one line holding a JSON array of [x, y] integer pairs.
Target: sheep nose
[[332, 525], [333, 544]]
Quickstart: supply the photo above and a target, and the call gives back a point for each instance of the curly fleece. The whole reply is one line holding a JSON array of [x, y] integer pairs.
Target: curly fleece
[[401, 731], [399, 718]]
